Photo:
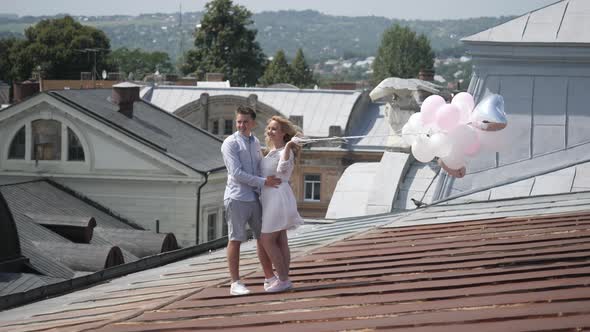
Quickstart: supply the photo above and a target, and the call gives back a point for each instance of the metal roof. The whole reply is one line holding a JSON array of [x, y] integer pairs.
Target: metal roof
[[566, 21], [508, 265], [57, 258], [167, 133], [320, 108], [373, 124]]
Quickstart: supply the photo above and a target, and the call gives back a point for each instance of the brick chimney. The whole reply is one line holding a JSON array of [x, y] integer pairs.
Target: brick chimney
[[24, 90], [124, 95]]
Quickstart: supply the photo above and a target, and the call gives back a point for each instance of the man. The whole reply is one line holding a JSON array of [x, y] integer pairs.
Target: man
[[242, 156]]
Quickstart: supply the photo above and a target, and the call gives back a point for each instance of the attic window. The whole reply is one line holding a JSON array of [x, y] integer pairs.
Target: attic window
[[46, 139], [17, 146], [75, 149]]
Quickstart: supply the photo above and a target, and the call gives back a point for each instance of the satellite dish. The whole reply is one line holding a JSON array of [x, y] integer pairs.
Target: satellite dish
[[104, 74]]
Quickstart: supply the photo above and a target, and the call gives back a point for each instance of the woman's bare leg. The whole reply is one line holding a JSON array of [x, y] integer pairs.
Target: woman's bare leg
[[283, 243], [271, 245]]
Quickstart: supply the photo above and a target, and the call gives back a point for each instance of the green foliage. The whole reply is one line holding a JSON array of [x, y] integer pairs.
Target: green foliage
[[402, 54], [7, 73], [58, 47], [224, 44], [302, 75], [277, 71], [140, 63], [321, 36]]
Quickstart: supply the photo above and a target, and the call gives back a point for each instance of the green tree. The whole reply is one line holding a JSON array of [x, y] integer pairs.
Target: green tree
[[224, 44], [140, 63], [402, 54], [7, 47], [277, 71], [302, 74], [61, 49]]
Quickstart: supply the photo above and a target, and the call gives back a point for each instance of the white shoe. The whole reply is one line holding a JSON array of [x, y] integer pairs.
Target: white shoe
[[279, 286], [269, 281], [238, 288]]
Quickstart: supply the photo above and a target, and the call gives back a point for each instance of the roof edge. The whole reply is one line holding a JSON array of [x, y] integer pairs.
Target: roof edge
[[70, 285]]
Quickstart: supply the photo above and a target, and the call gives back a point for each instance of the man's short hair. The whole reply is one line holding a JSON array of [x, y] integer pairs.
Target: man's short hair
[[246, 110]]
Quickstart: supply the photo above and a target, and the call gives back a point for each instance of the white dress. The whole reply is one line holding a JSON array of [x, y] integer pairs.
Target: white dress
[[279, 208]]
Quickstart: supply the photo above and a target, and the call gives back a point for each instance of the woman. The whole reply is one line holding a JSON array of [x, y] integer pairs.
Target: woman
[[279, 209]]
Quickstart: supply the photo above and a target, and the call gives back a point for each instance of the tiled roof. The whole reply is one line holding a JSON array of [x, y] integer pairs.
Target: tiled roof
[[171, 135], [509, 265]]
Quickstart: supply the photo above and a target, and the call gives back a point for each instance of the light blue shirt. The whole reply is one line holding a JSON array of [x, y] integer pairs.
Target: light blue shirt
[[242, 157]]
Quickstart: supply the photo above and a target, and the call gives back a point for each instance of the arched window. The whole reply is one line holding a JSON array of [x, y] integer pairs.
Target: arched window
[[75, 149], [46, 140], [18, 144]]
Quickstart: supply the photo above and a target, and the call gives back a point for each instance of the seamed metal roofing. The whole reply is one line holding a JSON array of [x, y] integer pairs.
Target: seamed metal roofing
[[320, 108], [509, 265]]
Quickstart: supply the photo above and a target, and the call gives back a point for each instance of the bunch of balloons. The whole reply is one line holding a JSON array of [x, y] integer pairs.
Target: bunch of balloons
[[456, 131]]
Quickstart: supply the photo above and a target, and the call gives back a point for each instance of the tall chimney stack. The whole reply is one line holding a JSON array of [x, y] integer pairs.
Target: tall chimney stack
[[124, 95]]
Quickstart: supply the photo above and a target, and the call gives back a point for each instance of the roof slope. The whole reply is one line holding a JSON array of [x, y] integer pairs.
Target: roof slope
[[564, 22], [494, 274], [169, 134], [320, 108], [416, 271], [56, 257]]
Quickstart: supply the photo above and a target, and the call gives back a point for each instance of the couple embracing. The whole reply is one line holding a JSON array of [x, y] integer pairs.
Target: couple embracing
[[258, 194]]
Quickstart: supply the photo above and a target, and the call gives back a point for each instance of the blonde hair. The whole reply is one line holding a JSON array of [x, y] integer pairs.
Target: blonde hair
[[287, 127]]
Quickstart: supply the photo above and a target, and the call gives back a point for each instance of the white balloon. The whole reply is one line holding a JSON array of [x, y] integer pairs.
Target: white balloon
[[441, 144], [455, 159], [421, 149], [462, 136]]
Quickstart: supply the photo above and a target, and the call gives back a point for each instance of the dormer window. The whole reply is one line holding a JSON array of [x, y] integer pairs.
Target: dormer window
[[46, 140], [75, 149], [18, 145], [43, 139]]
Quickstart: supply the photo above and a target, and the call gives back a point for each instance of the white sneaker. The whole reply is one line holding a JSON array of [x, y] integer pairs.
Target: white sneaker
[[279, 286], [269, 281], [238, 288]]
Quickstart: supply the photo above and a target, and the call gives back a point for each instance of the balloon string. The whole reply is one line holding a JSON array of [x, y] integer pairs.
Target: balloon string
[[305, 140]]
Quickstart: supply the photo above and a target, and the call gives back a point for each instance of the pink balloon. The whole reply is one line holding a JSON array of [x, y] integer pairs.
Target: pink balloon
[[473, 148], [447, 116], [429, 108], [465, 102]]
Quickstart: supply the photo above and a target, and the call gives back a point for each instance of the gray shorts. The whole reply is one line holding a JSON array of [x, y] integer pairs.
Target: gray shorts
[[238, 213]]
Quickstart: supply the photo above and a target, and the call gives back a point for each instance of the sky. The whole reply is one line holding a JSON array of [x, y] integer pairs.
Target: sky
[[401, 9]]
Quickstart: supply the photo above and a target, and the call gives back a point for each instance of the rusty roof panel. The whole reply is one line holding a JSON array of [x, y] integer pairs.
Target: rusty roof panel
[[518, 274]]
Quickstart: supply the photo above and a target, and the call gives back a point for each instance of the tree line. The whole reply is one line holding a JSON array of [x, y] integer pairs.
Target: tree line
[[224, 42]]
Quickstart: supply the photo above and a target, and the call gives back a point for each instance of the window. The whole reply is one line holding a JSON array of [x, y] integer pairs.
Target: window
[[215, 127], [228, 129], [212, 227], [75, 149], [312, 187], [46, 140], [17, 146]]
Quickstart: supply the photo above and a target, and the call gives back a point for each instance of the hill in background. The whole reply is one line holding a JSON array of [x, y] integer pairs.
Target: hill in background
[[320, 36]]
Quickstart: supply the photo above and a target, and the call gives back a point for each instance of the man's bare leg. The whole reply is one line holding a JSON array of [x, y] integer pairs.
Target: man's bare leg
[[233, 259]]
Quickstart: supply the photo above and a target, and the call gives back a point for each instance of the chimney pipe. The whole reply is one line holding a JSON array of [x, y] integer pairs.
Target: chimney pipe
[[124, 95], [24, 90]]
